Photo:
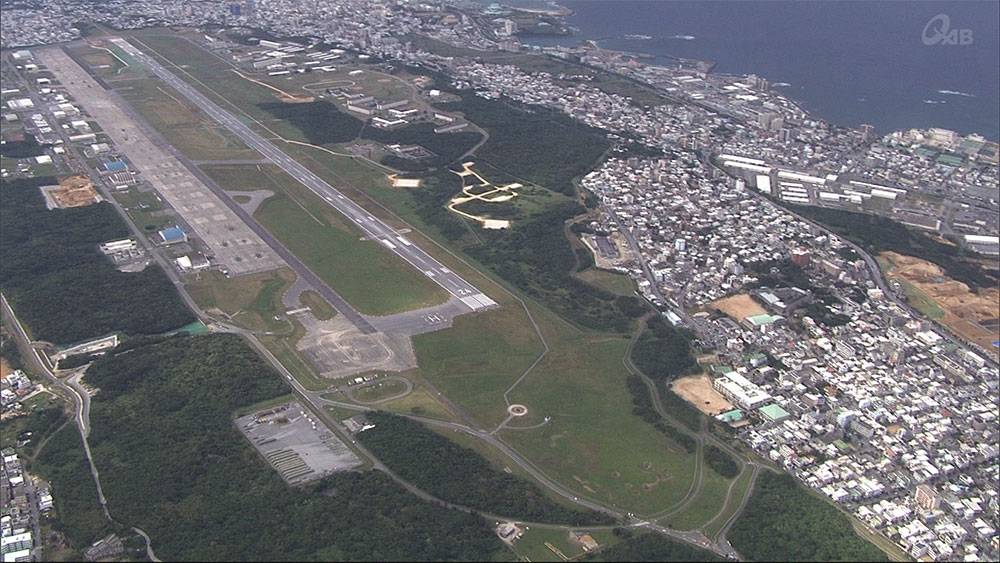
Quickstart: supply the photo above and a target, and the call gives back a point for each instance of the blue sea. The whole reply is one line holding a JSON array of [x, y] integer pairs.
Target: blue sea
[[845, 62]]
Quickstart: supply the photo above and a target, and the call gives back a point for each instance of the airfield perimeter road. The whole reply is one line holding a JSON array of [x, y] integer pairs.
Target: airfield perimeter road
[[373, 227]]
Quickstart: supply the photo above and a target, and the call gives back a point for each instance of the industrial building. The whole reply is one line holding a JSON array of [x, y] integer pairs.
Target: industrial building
[[172, 235], [741, 391]]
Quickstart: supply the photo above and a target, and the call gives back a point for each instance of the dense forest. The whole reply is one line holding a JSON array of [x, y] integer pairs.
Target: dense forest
[[721, 462], [784, 522], [22, 149], [642, 401], [173, 463], [63, 462], [651, 547], [539, 145], [663, 352], [456, 474], [52, 267], [879, 234], [683, 411], [321, 122], [447, 147]]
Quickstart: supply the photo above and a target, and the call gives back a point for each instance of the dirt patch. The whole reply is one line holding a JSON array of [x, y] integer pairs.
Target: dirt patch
[[283, 97], [739, 306], [75, 191], [971, 316], [697, 390], [5, 368]]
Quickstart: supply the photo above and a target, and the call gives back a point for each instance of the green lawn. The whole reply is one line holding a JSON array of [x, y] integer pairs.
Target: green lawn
[[252, 301], [713, 528], [370, 277], [476, 360], [594, 445], [186, 127], [420, 402], [709, 502], [618, 284], [379, 390], [920, 301]]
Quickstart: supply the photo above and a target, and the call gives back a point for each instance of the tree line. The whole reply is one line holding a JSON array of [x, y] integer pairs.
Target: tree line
[[784, 522]]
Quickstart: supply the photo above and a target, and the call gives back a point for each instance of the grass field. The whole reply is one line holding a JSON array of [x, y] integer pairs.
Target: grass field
[[252, 301], [369, 277], [263, 405], [920, 301], [713, 528], [532, 545], [186, 127], [476, 360], [619, 284], [711, 500], [594, 444], [319, 307], [420, 402], [380, 390]]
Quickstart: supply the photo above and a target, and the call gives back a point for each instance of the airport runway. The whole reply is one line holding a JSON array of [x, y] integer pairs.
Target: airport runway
[[373, 227]]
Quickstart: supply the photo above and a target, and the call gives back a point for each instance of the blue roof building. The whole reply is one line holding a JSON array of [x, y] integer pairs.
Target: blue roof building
[[173, 235], [115, 166]]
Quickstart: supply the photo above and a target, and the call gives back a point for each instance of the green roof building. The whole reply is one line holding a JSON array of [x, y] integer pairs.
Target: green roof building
[[774, 413]]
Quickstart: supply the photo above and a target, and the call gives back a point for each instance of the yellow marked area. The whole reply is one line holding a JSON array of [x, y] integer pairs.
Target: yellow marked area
[[282, 95], [482, 191], [557, 551], [398, 182]]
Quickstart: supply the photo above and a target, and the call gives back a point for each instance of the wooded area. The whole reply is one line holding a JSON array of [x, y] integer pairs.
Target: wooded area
[[784, 522], [721, 462], [61, 286], [173, 463], [663, 352], [539, 145], [22, 149], [457, 474]]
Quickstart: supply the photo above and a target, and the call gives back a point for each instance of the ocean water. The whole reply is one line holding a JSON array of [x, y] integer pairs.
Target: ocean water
[[846, 62]]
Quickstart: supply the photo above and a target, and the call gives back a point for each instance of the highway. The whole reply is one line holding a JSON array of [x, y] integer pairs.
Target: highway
[[374, 228]]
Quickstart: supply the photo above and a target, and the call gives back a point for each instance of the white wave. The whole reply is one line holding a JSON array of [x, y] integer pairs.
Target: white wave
[[780, 84], [956, 93], [684, 37], [935, 102]]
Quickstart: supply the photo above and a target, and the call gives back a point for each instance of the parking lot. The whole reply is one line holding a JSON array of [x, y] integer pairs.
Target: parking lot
[[297, 446]]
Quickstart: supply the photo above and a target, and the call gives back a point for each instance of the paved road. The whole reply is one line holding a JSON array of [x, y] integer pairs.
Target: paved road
[[349, 391], [374, 228], [40, 363]]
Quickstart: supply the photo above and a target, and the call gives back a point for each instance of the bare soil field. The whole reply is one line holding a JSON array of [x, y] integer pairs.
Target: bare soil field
[[697, 390], [965, 312], [5, 368], [739, 307], [75, 191]]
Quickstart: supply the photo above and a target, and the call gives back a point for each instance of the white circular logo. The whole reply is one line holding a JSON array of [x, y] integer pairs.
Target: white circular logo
[[936, 29]]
